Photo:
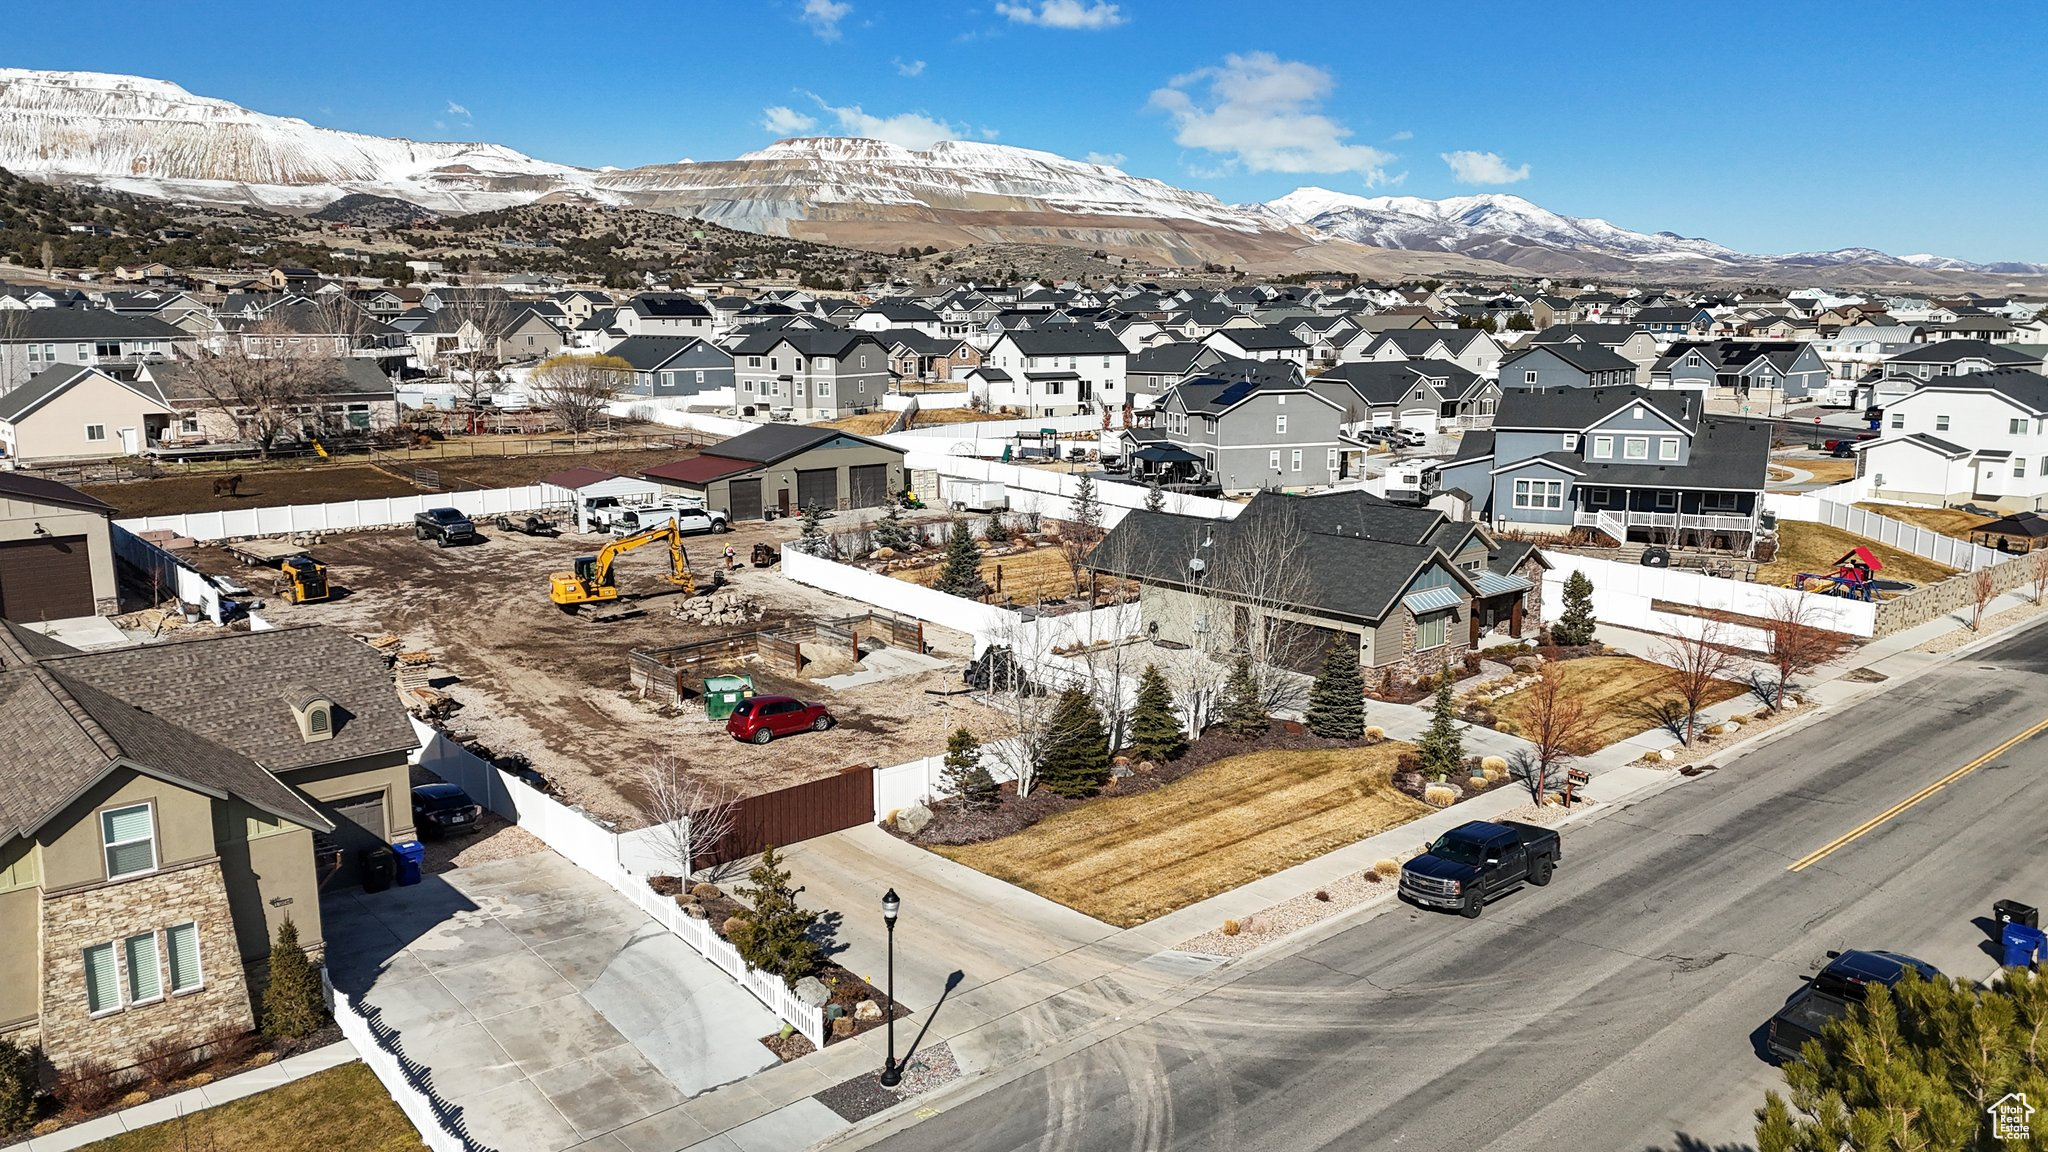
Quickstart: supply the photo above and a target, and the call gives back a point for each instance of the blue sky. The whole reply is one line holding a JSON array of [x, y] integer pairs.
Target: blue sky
[[1768, 127]]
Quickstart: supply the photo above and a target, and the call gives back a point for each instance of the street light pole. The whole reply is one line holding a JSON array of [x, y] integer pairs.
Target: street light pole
[[891, 1073]]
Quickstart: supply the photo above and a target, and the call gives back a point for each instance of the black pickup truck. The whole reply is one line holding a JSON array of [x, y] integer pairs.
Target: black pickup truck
[[1828, 995], [1473, 863], [444, 525]]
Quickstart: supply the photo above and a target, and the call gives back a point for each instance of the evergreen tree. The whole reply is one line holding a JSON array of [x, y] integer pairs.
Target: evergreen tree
[[1244, 706], [1087, 510], [293, 1007], [964, 776], [961, 574], [812, 539], [1575, 626], [1155, 725], [889, 530], [1155, 496], [1075, 762], [997, 530], [19, 1084], [1442, 749], [1336, 704], [775, 934], [1915, 1066]]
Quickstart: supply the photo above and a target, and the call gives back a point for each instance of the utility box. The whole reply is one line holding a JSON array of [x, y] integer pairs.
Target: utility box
[[722, 694]]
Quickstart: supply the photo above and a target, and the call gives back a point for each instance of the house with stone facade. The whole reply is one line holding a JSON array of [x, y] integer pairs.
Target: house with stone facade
[[165, 809], [1292, 575]]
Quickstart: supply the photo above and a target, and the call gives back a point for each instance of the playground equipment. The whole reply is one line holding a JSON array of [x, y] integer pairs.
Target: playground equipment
[[1854, 577]]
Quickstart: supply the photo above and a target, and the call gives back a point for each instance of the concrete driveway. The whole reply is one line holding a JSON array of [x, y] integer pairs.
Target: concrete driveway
[[546, 1011]]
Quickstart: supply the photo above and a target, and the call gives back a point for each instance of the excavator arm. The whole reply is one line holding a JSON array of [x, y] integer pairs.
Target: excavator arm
[[592, 579]]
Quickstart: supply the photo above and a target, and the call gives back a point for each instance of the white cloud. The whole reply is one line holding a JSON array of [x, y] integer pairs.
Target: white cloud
[[785, 121], [913, 130], [1483, 168], [455, 109], [1112, 159], [824, 16], [1063, 14], [455, 113], [909, 67], [1403, 134], [1263, 114]]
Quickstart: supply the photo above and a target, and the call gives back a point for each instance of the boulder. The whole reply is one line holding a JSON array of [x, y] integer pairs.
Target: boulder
[[1120, 768], [1526, 663], [913, 819], [885, 553], [842, 1028], [867, 1010], [812, 991]]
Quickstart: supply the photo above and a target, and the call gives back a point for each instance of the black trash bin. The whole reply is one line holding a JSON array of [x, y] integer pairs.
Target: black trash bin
[[2014, 912], [380, 867]]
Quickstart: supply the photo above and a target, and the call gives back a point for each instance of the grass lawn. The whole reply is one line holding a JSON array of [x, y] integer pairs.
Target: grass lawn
[[1805, 546], [1027, 577], [1947, 521], [343, 1107], [1823, 469], [1621, 695], [1127, 859], [864, 423]]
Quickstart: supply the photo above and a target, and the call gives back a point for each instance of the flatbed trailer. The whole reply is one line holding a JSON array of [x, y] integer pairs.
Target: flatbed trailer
[[264, 552]]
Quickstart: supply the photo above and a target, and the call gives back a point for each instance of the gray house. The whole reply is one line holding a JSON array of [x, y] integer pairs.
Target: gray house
[[674, 365], [1241, 435], [1740, 367], [1419, 394], [1547, 366], [809, 374], [1632, 463]]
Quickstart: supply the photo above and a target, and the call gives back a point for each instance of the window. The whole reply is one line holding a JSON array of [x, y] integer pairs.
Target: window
[[1636, 412], [1571, 441], [1667, 448], [1280, 424], [1941, 423], [1296, 462], [1666, 501], [1273, 459], [95, 431], [1331, 462], [2019, 467], [1719, 502], [753, 361], [85, 354], [1636, 448], [1603, 447], [145, 976], [2017, 427], [1898, 419], [1539, 493], [130, 838], [1529, 377], [102, 979], [1429, 633]]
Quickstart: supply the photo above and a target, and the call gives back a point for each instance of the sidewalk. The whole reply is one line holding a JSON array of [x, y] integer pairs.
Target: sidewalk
[[192, 1100]]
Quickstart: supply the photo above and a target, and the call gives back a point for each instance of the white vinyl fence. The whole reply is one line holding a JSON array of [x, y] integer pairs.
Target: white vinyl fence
[[170, 574], [1922, 542], [1050, 493], [606, 855], [1623, 595], [411, 1084], [347, 515]]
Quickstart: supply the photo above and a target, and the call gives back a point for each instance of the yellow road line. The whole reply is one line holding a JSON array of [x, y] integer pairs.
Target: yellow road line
[[1863, 829]]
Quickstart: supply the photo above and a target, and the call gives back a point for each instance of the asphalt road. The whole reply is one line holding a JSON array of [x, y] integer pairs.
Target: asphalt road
[[1619, 1008]]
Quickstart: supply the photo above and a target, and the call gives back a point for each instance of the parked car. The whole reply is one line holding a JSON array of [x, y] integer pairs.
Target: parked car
[[1827, 995], [444, 525], [691, 520], [1837, 444], [763, 718], [1477, 861], [1410, 437], [438, 809], [1843, 450]]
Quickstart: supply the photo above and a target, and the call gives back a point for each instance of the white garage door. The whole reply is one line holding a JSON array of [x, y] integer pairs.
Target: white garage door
[[1420, 419]]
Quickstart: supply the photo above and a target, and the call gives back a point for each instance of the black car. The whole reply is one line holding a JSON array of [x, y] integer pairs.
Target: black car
[[1828, 995], [438, 809], [1479, 860]]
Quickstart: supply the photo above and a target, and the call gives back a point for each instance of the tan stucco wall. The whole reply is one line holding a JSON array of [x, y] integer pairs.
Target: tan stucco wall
[[268, 879], [73, 855], [18, 520], [19, 942], [392, 776], [57, 429]]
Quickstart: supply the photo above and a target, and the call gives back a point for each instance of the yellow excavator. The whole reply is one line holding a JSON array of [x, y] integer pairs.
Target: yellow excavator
[[593, 581]]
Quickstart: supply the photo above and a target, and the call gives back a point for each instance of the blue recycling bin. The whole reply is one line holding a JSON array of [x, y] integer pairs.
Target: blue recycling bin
[[2023, 945], [410, 853]]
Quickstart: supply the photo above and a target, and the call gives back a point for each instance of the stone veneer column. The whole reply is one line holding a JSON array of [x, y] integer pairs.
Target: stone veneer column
[[111, 913]]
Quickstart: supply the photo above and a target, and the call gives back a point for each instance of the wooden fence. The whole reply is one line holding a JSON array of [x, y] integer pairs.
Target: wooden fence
[[796, 813], [661, 673]]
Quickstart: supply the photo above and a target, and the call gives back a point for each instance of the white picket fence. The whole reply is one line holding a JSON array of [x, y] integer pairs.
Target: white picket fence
[[344, 516], [1623, 595], [409, 1084], [171, 575], [989, 436], [623, 862], [1922, 542]]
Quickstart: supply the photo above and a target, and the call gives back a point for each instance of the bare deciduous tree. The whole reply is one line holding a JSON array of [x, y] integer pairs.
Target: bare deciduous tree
[[2037, 571], [1696, 658], [579, 390], [478, 316], [265, 381], [1258, 581], [1800, 643], [1983, 590], [691, 814], [1557, 728], [13, 349]]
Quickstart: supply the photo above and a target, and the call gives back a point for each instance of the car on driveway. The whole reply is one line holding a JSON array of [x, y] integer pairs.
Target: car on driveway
[[1830, 993], [439, 809], [763, 718]]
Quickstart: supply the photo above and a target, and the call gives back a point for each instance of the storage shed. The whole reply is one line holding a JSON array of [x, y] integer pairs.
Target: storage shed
[[581, 489], [782, 469], [56, 552]]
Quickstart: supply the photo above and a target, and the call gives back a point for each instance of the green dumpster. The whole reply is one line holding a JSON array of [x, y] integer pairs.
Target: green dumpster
[[722, 694]]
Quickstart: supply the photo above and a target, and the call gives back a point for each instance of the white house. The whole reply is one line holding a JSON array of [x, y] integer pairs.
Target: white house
[[1056, 371], [1978, 438]]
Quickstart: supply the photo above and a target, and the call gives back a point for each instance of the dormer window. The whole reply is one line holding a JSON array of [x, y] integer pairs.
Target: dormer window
[[313, 711]]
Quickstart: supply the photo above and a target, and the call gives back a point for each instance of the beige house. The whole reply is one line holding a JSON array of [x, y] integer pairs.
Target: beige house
[[72, 412], [56, 555], [167, 807]]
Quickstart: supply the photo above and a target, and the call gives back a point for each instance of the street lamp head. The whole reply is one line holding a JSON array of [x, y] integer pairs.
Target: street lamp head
[[890, 906]]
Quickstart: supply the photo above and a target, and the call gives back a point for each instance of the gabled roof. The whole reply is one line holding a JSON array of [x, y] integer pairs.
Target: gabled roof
[[1951, 351], [1260, 339], [772, 442], [648, 353], [830, 342], [87, 324], [669, 306], [1066, 340], [1173, 359], [36, 490], [51, 383], [1576, 409], [1584, 357], [1385, 382], [359, 376], [2026, 388], [699, 469]]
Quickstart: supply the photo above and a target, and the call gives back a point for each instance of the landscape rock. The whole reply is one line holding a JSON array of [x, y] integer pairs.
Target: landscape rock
[[1526, 663], [812, 991], [867, 1010], [913, 819], [842, 1028]]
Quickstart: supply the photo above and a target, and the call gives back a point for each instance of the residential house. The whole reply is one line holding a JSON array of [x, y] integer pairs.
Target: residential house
[[1977, 438], [1791, 370], [71, 412], [1548, 366], [1410, 588], [1241, 435], [580, 304], [1473, 349], [37, 339], [174, 804], [1633, 344], [1148, 374], [1058, 370], [1424, 395], [1631, 462], [1260, 344], [666, 366], [534, 332], [354, 399], [886, 315], [1956, 358], [1675, 322], [665, 314], [56, 554], [809, 374]]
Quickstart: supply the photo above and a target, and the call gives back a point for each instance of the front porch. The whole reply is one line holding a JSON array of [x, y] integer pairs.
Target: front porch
[[1688, 522]]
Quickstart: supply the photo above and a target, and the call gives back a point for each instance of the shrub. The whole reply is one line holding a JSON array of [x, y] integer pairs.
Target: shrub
[[1477, 783], [1439, 795], [1504, 725], [706, 891], [1371, 876], [1386, 868], [88, 1086], [1154, 722], [229, 1043], [731, 925], [1232, 927], [1493, 764], [293, 1007], [1408, 761], [17, 1087], [776, 936], [1374, 733], [166, 1059], [1323, 894]]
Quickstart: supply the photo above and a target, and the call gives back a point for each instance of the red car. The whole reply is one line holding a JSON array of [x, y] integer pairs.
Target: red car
[[765, 717]]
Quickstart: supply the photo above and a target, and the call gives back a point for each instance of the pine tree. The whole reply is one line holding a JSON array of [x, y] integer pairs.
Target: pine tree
[[1244, 707], [1336, 704], [1575, 626], [1442, 749], [19, 1085], [1155, 724], [293, 1007], [775, 934], [1155, 496], [964, 776], [1087, 510], [996, 531], [812, 539], [1075, 762], [889, 530], [961, 575]]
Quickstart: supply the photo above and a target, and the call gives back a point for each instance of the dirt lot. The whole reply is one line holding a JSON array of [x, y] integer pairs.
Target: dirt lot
[[555, 687], [298, 482], [1622, 696]]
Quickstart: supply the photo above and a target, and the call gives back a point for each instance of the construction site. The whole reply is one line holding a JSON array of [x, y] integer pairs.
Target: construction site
[[588, 694]]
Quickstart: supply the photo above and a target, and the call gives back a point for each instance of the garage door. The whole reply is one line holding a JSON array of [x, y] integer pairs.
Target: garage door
[[870, 483], [1420, 419], [745, 500], [48, 579], [817, 488], [358, 828]]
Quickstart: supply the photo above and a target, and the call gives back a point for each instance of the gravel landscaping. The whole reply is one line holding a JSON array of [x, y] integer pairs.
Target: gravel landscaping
[[863, 1096]]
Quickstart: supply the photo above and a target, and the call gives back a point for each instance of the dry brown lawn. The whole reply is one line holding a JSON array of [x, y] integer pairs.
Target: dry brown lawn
[[1623, 695], [931, 417], [1947, 521], [1827, 470], [1805, 546], [343, 1107], [1128, 859], [1023, 577], [864, 423]]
